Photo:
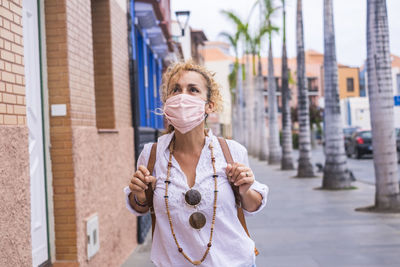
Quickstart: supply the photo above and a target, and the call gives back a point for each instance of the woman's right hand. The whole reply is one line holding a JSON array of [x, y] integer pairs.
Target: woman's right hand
[[140, 181]]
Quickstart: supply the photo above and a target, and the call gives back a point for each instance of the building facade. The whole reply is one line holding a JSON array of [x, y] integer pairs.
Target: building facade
[[217, 59], [349, 81], [79, 81]]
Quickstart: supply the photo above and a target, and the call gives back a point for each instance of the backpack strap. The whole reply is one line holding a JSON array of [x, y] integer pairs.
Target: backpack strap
[[149, 192], [240, 214]]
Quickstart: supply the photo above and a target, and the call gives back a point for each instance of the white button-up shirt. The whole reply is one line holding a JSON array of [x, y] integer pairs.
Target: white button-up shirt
[[230, 244]]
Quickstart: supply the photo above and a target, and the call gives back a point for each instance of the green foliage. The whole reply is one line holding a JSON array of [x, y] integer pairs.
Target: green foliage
[[295, 138], [314, 111], [233, 77], [292, 81], [315, 115]]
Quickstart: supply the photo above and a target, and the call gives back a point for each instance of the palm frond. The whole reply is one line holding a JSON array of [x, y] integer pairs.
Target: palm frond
[[230, 37]]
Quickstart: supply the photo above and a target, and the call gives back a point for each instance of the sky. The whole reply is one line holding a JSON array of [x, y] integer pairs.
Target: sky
[[349, 20]]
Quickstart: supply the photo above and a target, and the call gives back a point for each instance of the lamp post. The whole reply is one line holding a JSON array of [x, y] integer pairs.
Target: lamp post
[[183, 19]]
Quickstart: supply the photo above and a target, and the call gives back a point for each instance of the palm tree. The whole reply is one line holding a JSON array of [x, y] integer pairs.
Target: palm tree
[[240, 103], [287, 143], [260, 111], [234, 42], [381, 107], [233, 78], [273, 140], [305, 168], [336, 174], [259, 137]]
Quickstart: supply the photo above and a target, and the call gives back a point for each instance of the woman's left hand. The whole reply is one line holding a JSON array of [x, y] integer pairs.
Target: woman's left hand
[[241, 175]]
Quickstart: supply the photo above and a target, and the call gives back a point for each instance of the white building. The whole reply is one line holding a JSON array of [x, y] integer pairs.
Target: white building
[[216, 58], [355, 110]]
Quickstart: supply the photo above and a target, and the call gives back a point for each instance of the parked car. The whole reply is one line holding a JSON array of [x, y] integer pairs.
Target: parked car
[[360, 144], [347, 133]]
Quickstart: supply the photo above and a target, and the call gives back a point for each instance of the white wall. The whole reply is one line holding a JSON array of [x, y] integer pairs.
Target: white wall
[[184, 40], [355, 112], [395, 71]]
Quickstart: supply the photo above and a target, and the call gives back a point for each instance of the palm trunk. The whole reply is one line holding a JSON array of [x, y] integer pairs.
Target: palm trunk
[[245, 103], [287, 143], [273, 140], [263, 152], [381, 107], [336, 174], [249, 107], [255, 151], [256, 117], [239, 107], [251, 128], [305, 168], [234, 106]]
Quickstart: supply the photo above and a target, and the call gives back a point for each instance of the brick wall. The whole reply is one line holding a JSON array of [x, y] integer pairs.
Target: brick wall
[[60, 131], [120, 55], [12, 81], [89, 168], [80, 60], [101, 28]]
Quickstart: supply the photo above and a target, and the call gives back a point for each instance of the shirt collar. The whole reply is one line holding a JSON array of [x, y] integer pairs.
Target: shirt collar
[[165, 140]]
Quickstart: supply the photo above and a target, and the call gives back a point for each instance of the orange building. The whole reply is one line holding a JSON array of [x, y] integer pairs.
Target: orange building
[[349, 81], [348, 77]]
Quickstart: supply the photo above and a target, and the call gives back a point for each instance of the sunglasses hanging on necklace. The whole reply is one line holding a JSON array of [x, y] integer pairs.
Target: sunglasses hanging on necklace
[[192, 197]]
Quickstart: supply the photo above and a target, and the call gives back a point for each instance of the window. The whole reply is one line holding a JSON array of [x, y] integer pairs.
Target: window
[[312, 84], [278, 84], [350, 85], [398, 83]]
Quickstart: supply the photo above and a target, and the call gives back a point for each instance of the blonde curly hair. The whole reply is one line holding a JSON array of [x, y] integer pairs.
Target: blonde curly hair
[[176, 69]]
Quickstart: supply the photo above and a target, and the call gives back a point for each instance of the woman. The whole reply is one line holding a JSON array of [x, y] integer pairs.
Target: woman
[[189, 175]]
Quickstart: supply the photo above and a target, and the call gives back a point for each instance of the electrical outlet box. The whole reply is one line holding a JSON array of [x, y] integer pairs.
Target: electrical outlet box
[[92, 235]]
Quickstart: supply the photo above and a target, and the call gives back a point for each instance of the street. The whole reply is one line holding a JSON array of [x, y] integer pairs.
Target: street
[[363, 169]]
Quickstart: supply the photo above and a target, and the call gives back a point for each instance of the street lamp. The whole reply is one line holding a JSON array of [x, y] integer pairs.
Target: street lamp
[[182, 16]]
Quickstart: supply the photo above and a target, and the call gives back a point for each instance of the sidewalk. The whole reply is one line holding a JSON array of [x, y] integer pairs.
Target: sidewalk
[[302, 226]]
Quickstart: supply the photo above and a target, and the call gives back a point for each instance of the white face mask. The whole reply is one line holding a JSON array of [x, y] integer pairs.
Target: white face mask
[[184, 112]]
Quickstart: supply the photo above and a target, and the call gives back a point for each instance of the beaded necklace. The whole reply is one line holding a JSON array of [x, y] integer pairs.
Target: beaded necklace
[[167, 182]]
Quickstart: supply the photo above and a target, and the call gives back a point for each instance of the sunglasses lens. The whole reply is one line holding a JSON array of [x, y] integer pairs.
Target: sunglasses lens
[[197, 220], [192, 197]]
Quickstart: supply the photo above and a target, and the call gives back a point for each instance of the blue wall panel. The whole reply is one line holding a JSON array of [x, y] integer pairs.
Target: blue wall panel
[[142, 90]]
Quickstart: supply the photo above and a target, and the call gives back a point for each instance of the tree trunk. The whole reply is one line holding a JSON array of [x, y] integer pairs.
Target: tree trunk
[[246, 115], [336, 174], [273, 140], [287, 143], [256, 117], [239, 119], [263, 151], [252, 127], [381, 107], [305, 168]]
